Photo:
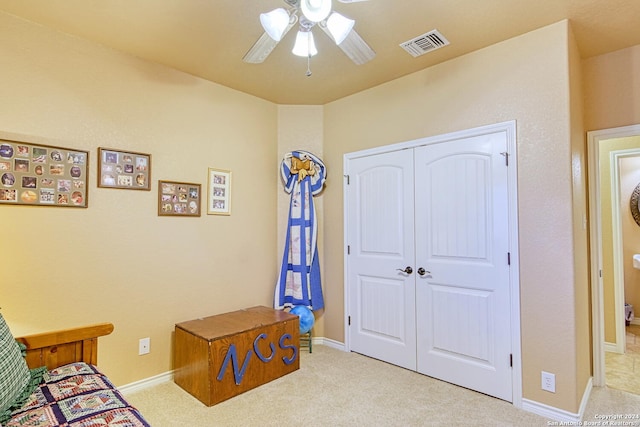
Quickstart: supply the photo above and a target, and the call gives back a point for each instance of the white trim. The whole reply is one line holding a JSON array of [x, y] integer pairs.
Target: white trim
[[514, 271], [585, 397], [610, 347], [168, 376], [345, 270], [557, 414], [509, 127], [618, 270], [146, 383], [618, 248], [329, 343], [595, 245]]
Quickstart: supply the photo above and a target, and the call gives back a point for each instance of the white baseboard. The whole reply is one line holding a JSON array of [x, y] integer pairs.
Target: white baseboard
[[557, 414], [613, 348], [329, 343], [146, 383], [168, 376]]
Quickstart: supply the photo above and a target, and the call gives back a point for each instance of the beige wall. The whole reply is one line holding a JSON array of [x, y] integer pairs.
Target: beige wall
[[629, 232], [607, 147], [612, 89], [608, 289], [582, 297], [511, 80], [69, 92], [117, 261], [629, 179], [612, 99]]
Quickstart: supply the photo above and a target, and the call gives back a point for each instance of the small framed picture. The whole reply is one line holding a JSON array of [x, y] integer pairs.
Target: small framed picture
[[219, 192], [124, 169], [178, 198]]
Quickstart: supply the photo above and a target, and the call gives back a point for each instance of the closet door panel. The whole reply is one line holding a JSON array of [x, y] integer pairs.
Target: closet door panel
[[380, 235], [462, 299]]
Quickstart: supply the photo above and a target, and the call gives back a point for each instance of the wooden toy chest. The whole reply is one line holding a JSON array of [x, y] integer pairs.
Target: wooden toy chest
[[221, 356]]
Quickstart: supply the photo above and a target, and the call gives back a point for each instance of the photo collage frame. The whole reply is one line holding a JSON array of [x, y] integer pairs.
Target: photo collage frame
[[46, 175], [43, 175], [178, 198], [124, 169]]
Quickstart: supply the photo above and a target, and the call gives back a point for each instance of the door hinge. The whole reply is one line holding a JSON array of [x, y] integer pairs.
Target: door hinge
[[348, 179], [508, 258], [511, 360], [506, 158], [349, 320], [348, 249]]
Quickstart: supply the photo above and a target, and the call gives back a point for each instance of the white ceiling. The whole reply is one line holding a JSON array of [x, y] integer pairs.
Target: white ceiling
[[208, 38]]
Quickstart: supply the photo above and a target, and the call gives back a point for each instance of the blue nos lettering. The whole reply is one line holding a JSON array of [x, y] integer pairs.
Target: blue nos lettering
[[232, 357], [257, 349], [294, 355]]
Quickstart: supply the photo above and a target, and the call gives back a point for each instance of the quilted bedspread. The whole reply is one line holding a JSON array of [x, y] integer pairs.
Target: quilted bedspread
[[76, 395]]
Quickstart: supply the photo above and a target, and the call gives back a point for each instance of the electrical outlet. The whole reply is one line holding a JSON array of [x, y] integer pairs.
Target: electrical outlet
[[548, 382], [144, 346]]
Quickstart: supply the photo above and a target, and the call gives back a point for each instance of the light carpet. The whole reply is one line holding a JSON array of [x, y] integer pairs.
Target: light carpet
[[336, 388]]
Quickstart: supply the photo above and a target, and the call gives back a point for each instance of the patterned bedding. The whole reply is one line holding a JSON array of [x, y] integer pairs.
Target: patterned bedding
[[76, 395]]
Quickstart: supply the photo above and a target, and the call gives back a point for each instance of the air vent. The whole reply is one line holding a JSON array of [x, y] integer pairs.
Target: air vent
[[425, 43]]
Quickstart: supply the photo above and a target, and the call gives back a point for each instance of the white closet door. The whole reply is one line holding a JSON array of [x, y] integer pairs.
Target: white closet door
[[381, 239], [463, 297]]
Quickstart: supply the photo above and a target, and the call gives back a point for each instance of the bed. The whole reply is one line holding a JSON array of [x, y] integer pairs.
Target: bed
[[51, 379]]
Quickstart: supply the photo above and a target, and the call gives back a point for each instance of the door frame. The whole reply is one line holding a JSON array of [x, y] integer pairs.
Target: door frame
[[509, 128], [595, 246]]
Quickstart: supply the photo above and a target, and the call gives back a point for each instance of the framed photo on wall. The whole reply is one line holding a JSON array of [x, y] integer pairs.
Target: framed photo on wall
[[219, 192], [124, 169], [43, 175], [178, 198]]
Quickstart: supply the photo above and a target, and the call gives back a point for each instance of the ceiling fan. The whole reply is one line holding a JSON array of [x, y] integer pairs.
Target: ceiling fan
[[309, 14]]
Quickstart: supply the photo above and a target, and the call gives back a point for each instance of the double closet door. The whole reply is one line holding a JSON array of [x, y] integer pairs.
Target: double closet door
[[428, 265]]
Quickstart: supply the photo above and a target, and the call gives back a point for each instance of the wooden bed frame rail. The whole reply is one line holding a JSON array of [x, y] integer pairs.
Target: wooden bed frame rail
[[57, 348]]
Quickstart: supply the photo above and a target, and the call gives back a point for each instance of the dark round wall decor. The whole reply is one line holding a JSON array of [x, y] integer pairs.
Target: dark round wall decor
[[635, 199]]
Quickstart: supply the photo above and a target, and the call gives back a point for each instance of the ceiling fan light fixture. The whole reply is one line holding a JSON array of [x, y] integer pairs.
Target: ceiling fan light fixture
[[305, 45], [315, 10], [339, 27], [275, 23]]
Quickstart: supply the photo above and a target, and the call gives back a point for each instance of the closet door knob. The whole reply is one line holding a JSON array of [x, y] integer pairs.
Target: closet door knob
[[422, 271], [407, 270]]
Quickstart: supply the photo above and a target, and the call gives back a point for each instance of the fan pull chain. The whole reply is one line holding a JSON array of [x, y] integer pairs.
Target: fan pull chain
[[308, 74]]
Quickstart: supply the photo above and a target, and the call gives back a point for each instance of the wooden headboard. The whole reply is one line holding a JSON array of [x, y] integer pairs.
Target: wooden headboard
[[57, 348]]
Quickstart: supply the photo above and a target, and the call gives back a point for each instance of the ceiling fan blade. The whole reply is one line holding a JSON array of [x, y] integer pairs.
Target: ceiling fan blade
[[265, 44], [260, 49], [357, 49], [353, 46]]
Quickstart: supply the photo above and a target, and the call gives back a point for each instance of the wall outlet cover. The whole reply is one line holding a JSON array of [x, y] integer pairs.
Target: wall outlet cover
[[144, 346]]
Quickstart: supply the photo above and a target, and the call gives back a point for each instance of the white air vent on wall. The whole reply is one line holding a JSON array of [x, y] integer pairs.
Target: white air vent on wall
[[425, 43]]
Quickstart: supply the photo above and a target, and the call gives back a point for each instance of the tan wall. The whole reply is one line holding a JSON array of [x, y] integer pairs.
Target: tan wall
[[612, 89], [608, 289], [511, 80], [629, 232], [629, 179], [582, 297], [70, 92], [612, 99], [117, 261]]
